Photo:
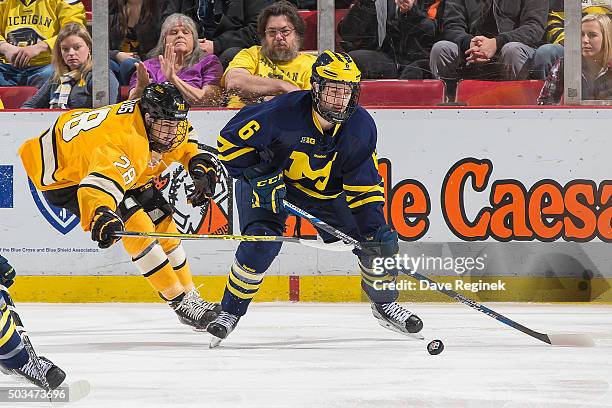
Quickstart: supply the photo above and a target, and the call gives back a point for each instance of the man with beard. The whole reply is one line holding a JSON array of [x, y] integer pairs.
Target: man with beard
[[276, 66]]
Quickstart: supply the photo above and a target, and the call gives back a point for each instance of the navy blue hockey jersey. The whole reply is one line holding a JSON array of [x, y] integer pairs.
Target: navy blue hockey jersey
[[317, 165]]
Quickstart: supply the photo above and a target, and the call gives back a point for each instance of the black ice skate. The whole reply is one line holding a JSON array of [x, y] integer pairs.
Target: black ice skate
[[221, 327], [53, 374], [193, 311], [394, 317]]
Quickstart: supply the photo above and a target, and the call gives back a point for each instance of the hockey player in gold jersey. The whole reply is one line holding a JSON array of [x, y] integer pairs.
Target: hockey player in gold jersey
[[99, 164]]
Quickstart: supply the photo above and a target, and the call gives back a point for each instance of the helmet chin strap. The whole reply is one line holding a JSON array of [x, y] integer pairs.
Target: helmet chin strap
[[325, 123]]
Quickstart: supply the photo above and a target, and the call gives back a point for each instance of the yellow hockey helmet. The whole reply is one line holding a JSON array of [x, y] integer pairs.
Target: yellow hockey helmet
[[335, 85], [597, 7]]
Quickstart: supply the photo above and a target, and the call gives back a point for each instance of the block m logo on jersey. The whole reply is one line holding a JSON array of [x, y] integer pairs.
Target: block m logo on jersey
[[61, 219]]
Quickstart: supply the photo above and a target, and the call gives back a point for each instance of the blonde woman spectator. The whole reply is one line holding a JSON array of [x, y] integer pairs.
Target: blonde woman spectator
[[70, 85], [178, 60], [28, 33], [596, 64]]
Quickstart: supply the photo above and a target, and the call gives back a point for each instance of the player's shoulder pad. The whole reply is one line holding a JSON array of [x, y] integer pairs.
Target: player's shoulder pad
[[280, 108], [362, 125]]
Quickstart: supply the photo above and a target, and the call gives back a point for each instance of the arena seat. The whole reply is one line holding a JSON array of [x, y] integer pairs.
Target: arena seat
[[391, 92], [310, 36], [124, 92], [14, 96], [475, 93], [88, 9]]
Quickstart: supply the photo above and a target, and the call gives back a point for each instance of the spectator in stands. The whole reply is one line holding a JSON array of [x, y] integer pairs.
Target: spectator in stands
[[70, 85], [596, 64], [134, 27], [312, 4], [547, 54], [28, 30], [390, 38], [178, 59], [276, 66], [224, 26], [478, 34]]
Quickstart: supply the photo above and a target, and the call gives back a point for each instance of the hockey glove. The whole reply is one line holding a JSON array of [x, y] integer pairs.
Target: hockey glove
[[268, 189], [104, 225], [7, 273], [383, 243], [204, 183]]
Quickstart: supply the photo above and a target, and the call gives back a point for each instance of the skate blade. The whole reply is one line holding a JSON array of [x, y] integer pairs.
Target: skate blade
[[415, 336], [214, 341], [195, 329], [78, 390]]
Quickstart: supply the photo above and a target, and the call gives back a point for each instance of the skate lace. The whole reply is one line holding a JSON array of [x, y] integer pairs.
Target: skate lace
[[395, 311], [31, 371], [194, 306], [227, 319]]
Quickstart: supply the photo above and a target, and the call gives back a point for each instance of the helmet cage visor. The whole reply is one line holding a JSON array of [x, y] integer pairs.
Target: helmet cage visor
[[335, 101], [166, 135]]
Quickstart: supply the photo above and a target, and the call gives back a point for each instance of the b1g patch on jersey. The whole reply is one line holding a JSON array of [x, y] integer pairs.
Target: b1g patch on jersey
[[60, 218]]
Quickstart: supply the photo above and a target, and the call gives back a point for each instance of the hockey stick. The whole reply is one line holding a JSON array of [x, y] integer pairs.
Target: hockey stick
[[178, 235], [25, 338], [250, 238], [576, 340]]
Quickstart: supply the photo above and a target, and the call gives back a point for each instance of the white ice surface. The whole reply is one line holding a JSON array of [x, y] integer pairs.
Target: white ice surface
[[326, 355]]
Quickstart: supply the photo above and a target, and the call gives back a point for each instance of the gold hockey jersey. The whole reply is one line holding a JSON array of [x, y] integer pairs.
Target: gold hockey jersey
[[27, 22], [104, 151]]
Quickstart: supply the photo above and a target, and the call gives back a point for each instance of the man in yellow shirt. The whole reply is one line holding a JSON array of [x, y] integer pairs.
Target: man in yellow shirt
[[28, 30], [276, 66]]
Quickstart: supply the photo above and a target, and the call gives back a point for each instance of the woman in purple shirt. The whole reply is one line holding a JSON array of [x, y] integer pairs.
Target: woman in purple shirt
[[178, 59]]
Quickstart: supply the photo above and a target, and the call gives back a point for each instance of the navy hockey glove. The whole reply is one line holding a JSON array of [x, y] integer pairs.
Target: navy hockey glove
[[104, 225], [204, 176], [7, 273], [268, 189], [383, 243]]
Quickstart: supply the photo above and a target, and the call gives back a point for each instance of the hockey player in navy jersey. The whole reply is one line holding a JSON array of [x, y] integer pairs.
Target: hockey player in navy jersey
[[317, 149], [14, 356]]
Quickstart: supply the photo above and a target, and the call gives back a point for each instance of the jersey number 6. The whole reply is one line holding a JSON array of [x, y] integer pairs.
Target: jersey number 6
[[249, 129]]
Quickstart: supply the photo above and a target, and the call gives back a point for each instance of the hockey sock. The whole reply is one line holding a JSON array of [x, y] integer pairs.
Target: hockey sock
[[155, 267], [13, 354], [179, 263], [242, 285], [379, 286], [150, 258], [176, 254]]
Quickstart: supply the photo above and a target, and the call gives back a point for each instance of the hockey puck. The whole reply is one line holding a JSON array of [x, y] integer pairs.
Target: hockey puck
[[435, 347]]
